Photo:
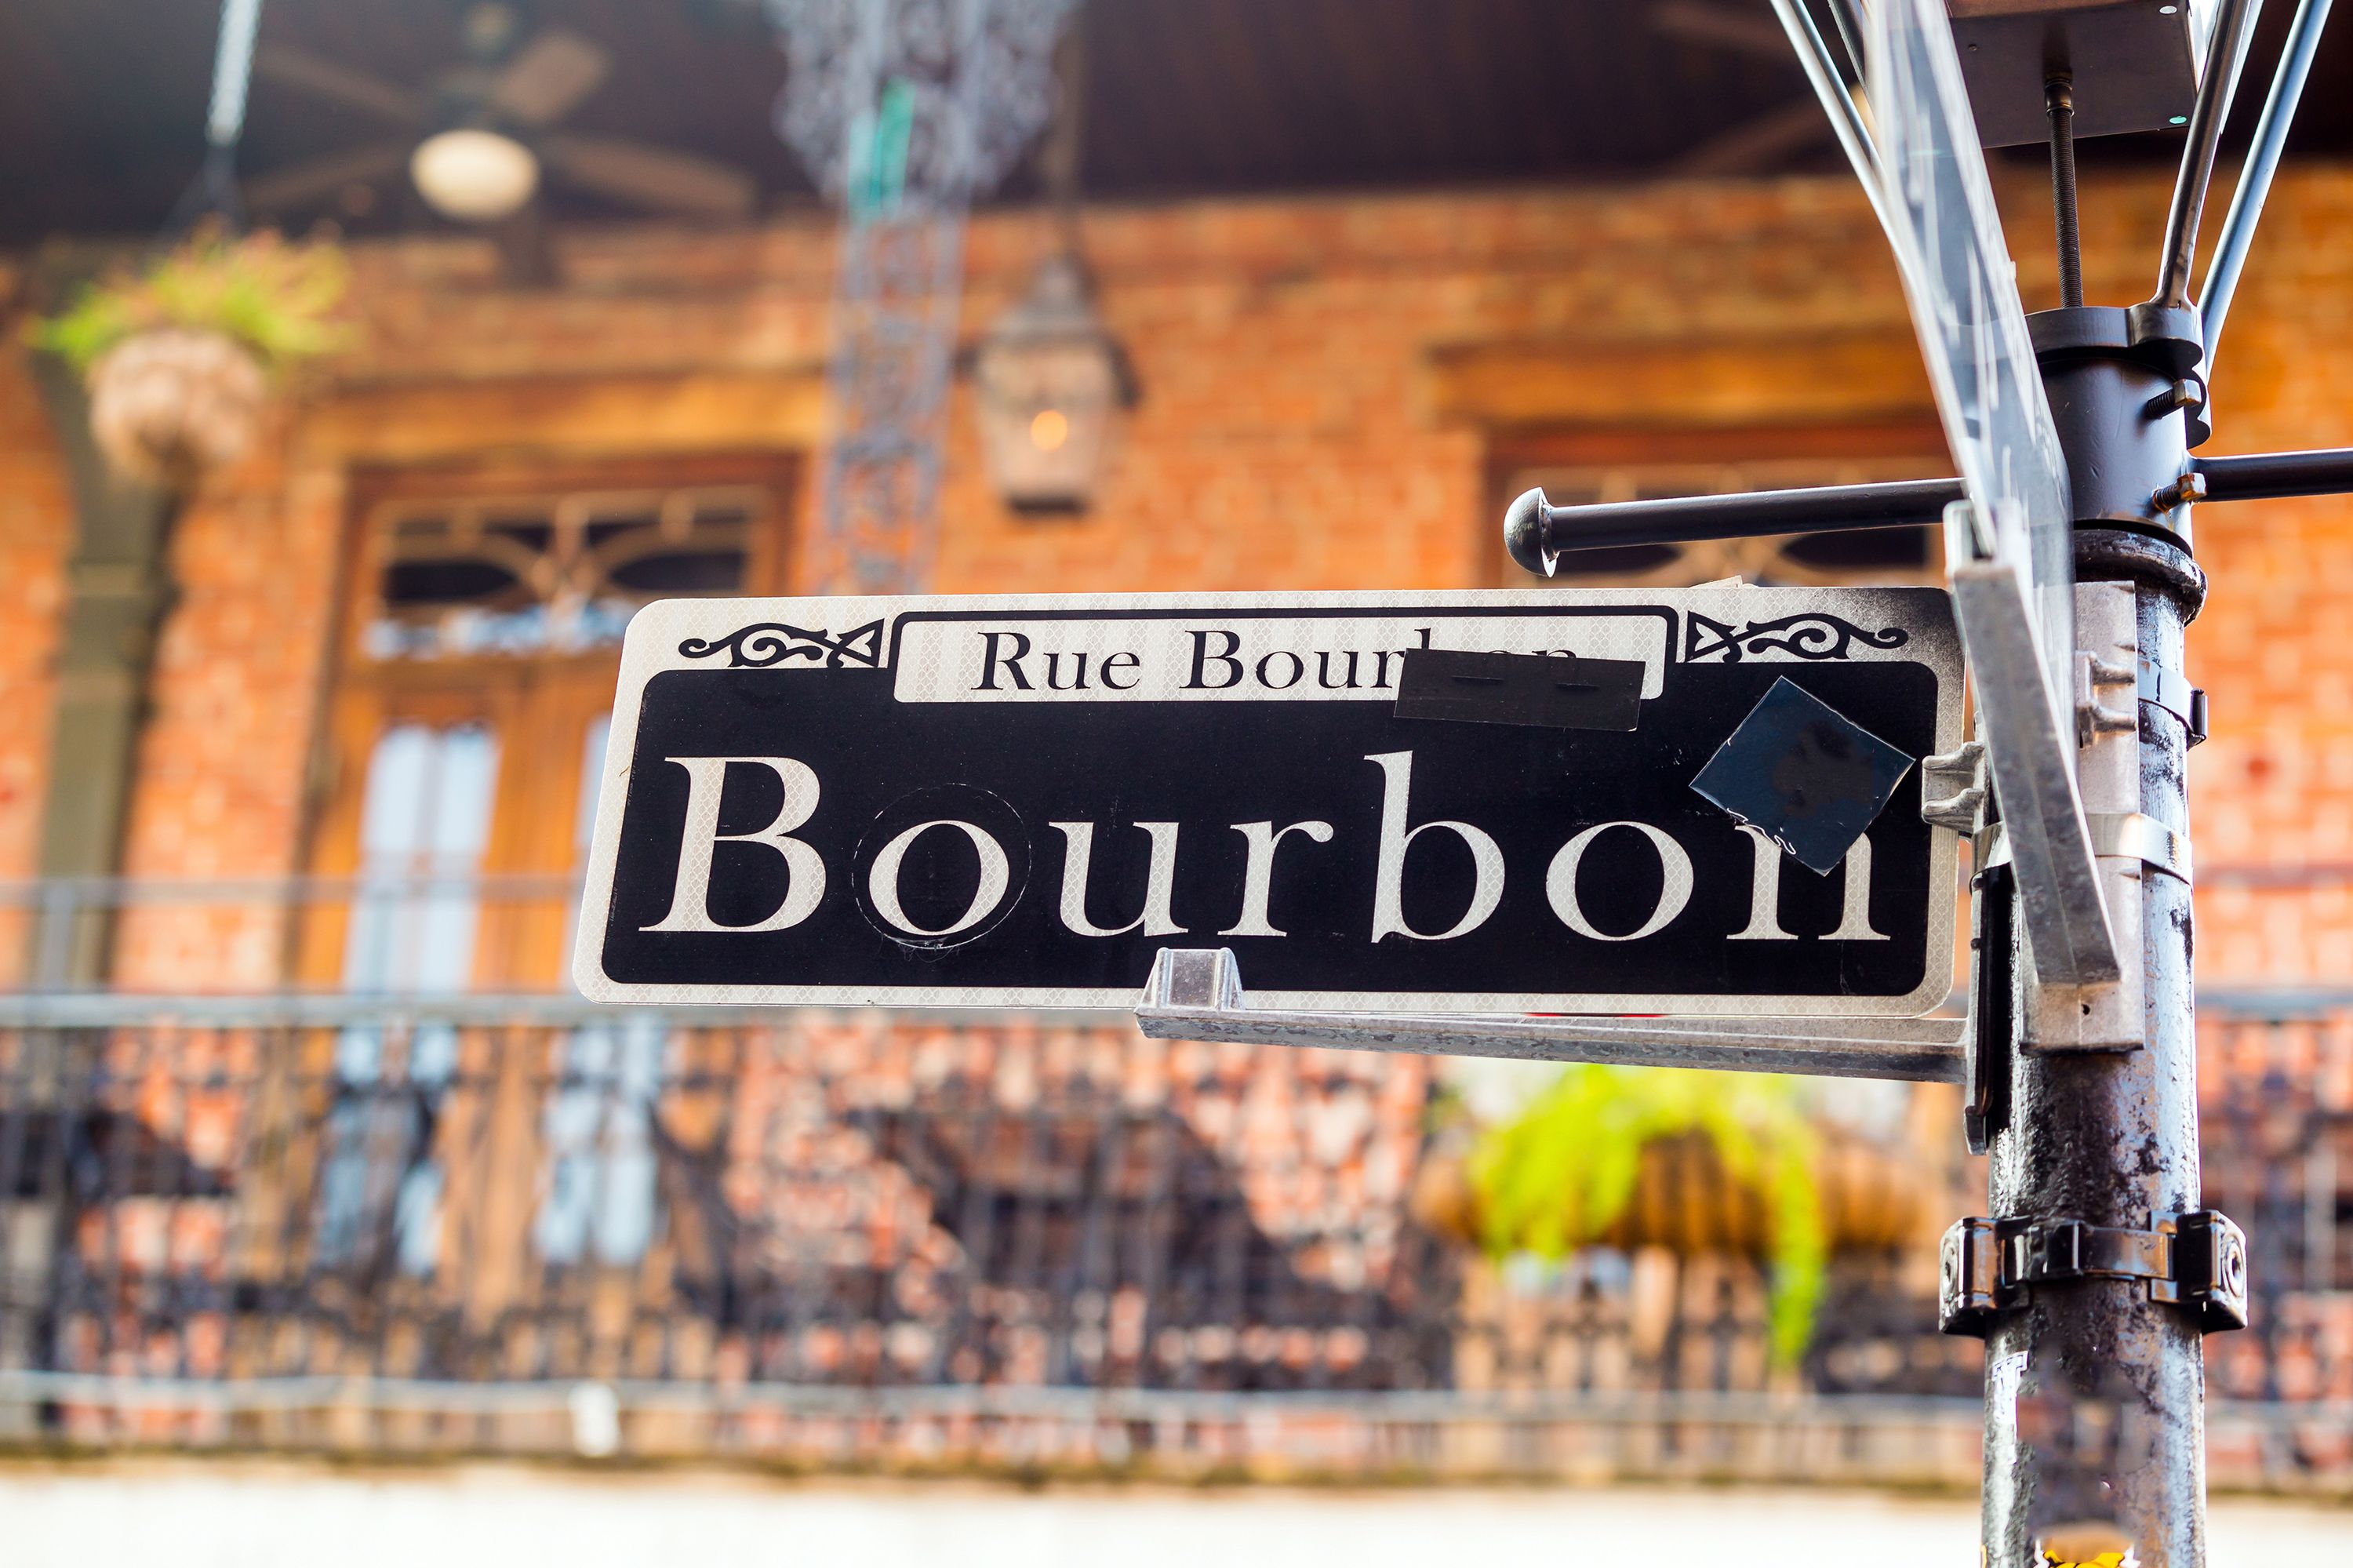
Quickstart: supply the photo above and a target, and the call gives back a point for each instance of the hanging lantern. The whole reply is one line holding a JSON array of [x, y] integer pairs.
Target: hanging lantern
[[1051, 382]]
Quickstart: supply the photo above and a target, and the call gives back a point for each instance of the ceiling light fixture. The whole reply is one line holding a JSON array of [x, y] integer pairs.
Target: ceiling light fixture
[[474, 175]]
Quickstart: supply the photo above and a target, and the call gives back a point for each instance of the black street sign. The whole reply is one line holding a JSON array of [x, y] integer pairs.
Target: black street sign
[[1020, 801]]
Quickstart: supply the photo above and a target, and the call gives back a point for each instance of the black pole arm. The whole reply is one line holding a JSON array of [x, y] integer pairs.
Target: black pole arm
[[2269, 475], [1536, 531]]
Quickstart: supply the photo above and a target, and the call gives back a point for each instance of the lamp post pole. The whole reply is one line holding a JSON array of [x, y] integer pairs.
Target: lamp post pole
[[2096, 1273], [2096, 1390]]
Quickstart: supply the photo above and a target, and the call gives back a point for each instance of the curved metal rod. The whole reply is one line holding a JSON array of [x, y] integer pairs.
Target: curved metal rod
[[2233, 30], [2263, 161], [1822, 70], [1847, 17]]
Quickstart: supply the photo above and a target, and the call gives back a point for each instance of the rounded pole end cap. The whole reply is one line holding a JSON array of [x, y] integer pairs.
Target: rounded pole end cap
[[1527, 524]]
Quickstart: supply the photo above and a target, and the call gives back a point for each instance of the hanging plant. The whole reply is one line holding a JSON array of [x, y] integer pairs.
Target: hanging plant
[[178, 356], [1565, 1172]]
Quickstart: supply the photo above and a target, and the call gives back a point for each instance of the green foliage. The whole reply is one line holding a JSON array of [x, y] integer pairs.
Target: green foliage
[[1559, 1175], [277, 299]]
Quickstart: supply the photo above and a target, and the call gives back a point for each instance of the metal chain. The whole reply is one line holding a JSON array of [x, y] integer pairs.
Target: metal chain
[[905, 110]]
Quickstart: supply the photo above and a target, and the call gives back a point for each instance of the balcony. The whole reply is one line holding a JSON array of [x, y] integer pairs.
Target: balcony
[[371, 1214]]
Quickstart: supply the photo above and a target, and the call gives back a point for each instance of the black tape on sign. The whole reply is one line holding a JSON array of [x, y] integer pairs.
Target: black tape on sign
[[1806, 774], [1545, 691]]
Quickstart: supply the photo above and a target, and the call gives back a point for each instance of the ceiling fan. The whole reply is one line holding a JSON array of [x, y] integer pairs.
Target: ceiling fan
[[477, 137], [1770, 140]]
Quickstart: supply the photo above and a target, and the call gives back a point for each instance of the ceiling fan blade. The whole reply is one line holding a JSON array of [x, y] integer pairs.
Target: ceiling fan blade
[[549, 76], [653, 177], [314, 179], [1721, 26], [322, 78], [1756, 145]]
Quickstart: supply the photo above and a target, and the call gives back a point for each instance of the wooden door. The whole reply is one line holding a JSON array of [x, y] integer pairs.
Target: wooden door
[[467, 717], [452, 830], [462, 736]]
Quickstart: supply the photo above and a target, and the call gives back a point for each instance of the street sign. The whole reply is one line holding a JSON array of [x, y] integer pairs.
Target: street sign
[[2009, 547], [1023, 800], [1939, 204]]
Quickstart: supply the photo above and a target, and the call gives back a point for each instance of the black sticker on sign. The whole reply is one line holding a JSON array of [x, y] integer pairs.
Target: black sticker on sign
[[1806, 775], [1543, 690]]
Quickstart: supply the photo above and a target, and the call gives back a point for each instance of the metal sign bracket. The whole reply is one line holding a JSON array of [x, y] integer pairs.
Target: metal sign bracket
[[2125, 845], [1196, 993], [2028, 755]]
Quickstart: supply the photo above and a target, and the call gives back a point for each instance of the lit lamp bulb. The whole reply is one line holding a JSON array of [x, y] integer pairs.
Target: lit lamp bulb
[[474, 177], [1051, 430]]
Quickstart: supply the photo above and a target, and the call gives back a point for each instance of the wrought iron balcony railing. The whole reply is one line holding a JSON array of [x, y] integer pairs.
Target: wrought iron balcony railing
[[389, 1219]]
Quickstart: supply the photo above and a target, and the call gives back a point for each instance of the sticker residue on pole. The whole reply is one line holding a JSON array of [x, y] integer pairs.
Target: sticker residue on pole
[[2002, 1381]]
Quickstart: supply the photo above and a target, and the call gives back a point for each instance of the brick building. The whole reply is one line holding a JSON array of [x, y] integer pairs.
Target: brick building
[[1340, 387], [1337, 391]]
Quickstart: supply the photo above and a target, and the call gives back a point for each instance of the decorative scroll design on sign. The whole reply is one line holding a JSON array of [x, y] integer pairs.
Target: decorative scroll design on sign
[[1812, 635], [774, 643]]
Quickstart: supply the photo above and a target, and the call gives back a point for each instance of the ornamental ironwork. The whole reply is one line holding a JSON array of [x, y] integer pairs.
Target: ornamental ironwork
[[903, 111]]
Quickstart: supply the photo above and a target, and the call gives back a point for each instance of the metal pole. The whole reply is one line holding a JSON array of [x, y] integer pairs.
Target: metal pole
[[2098, 1272], [1847, 17], [2263, 161], [2232, 30], [2096, 1397], [2094, 1391], [2267, 476], [1822, 70], [1535, 530], [2059, 100]]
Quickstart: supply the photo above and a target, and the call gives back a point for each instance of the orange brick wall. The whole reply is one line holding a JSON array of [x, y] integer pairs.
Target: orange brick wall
[[1289, 437], [36, 523], [1286, 438], [2273, 789]]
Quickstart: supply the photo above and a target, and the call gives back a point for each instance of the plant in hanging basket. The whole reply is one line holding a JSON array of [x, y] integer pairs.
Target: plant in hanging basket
[[178, 356], [1644, 1156]]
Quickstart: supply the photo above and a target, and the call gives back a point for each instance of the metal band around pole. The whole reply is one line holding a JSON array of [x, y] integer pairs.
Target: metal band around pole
[[2117, 835]]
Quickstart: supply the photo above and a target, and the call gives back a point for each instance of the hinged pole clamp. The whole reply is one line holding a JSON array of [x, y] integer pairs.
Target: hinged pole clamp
[[2197, 1261]]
